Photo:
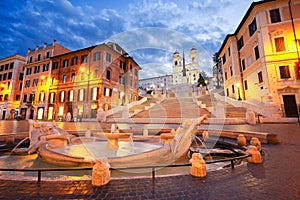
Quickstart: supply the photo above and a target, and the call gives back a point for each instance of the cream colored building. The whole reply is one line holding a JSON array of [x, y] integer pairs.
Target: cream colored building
[[261, 58], [183, 72], [11, 76]]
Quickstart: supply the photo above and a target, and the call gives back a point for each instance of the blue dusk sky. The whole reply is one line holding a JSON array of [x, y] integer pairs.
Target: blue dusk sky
[[150, 31]]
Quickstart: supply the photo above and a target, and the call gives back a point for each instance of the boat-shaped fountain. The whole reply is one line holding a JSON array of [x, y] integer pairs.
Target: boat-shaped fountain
[[56, 146]]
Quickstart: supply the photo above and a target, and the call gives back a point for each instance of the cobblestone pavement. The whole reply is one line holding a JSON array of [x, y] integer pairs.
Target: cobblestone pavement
[[277, 178]]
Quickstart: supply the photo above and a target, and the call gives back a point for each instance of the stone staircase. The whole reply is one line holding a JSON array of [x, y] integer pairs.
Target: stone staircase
[[174, 108]]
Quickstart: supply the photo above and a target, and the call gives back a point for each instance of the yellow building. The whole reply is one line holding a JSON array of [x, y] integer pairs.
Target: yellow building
[[260, 60]]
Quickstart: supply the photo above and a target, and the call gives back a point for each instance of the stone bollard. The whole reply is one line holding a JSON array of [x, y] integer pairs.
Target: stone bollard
[[250, 117], [241, 140], [173, 131], [101, 173], [255, 142], [88, 133], [198, 167], [205, 136], [145, 132], [255, 154]]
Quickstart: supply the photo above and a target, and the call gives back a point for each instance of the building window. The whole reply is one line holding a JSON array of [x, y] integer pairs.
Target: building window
[[11, 65], [74, 61], [32, 97], [275, 15], [232, 87], [65, 63], [256, 51], [2, 68], [260, 77], [64, 79], [4, 76], [108, 57], [45, 67], [53, 80], [52, 97], [224, 58], [55, 65], [225, 76], [84, 59], [28, 71], [135, 72], [240, 43], [36, 69], [27, 83], [73, 77], [229, 52], [252, 27], [9, 75], [284, 72], [21, 86], [249, 60], [62, 96], [81, 95], [231, 71], [96, 56], [108, 74], [279, 44], [42, 96], [243, 65], [35, 82], [107, 92], [96, 73], [71, 95], [30, 59], [94, 95], [25, 98], [47, 54], [6, 66], [39, 57], [122, 80], [122, 65], [245, 84]]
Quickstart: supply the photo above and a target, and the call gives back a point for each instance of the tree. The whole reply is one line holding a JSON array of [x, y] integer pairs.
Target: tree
[[202, 78]]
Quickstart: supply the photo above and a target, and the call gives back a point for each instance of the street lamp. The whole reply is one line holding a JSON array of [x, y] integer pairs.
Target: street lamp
[[206, 81], [238, 89]]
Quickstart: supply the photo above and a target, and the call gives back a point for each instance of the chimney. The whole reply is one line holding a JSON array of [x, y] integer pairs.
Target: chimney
[[29, 50], [37, 47], [45, 45], [54, 42]]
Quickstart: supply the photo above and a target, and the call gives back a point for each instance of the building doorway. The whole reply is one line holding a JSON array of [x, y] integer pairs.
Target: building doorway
[[40, 113], [290, 105], [3, 114]]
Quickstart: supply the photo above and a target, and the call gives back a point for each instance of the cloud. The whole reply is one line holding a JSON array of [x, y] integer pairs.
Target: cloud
[[137, 26], [39, 21]]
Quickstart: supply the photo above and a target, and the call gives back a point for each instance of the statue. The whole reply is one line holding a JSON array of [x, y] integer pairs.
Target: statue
[[68, 117], [101, 116]]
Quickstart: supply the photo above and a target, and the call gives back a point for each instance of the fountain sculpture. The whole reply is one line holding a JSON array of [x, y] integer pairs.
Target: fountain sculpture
[[56, 146]]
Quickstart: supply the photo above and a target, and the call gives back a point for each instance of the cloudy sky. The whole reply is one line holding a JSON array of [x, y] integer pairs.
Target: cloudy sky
[[149, 30]]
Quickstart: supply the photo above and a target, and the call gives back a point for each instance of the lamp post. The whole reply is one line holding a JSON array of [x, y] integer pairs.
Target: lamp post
[[238, 89], [162, 88]]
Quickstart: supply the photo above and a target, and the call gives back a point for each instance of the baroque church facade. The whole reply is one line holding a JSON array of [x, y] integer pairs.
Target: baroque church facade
[[183, 72]]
